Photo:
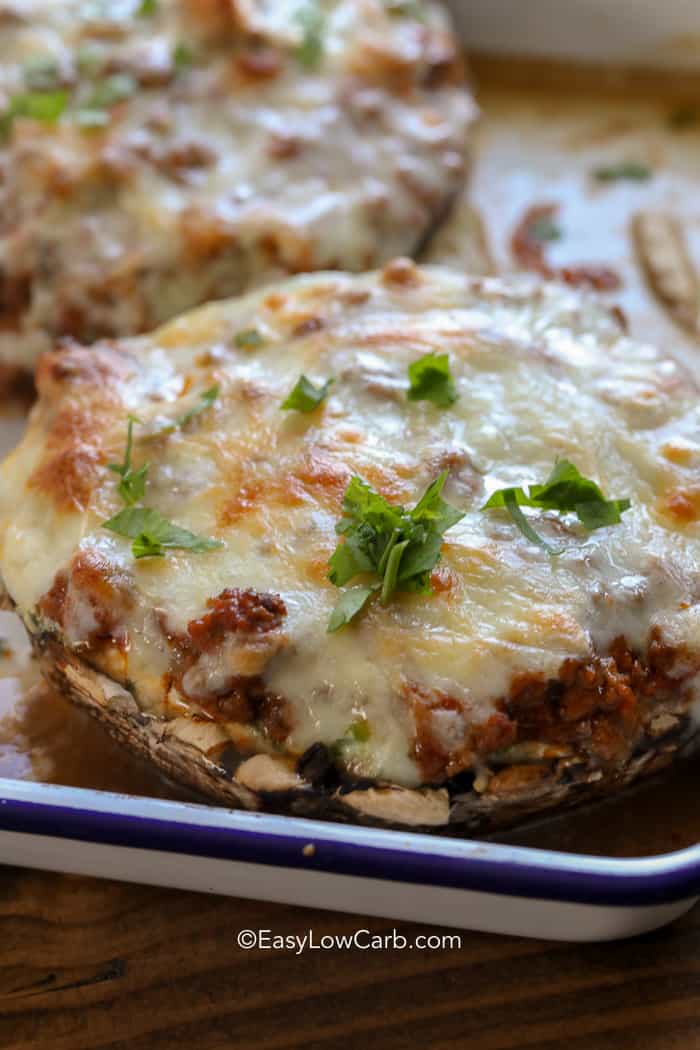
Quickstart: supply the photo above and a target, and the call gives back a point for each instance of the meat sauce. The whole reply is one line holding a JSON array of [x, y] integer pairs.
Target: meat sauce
[[238, 612], [596, 711], [251, 619], [92, 591], [45, 738]]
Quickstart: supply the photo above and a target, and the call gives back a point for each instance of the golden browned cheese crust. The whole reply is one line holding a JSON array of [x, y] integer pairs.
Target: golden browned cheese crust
[[154, 156], [518, 681]]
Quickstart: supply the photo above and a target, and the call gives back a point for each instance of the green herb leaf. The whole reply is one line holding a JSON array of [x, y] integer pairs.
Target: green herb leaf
[[206, 400], [145, 546], [545, 229], [405, 9], [183, 56], [348, 560], [498, 499], [45, 106], [41, 74], [248, 339], [511, 505], [566, 490], [360, 730], [597, 515], [147, 8], [431, 380], [125, 467], [111, 90], [153, 534], [305, 396], [365, 508], [351, 602], [163, 427], [631, 170], [399, 547], [310, 51], [419, 561], [132, 486], [90, 58], [431, 509], [435, 516], [391, 570]]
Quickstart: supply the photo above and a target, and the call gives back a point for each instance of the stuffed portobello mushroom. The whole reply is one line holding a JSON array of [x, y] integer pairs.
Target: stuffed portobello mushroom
[[407, 547], [156, 154]]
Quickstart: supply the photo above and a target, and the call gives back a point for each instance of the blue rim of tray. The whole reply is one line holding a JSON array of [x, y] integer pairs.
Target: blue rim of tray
[[258, 838]]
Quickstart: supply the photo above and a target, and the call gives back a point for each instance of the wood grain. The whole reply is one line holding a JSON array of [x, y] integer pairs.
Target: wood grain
[[86, 964]]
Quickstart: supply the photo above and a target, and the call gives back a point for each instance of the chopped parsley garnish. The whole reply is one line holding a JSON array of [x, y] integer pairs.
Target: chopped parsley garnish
[[306, 396], [566, 490], [351, 602], [41, 74], [431, 380], [248, 339], [183, 56], [545, 229], [132, 486], [89, 58], [206, 400], [398, 547], [359, 730], [162, 427], [153, 534], [105, 94], [111, 90], [405, 8], [630, 170], [45, 106], [310, 50], [147, 8]]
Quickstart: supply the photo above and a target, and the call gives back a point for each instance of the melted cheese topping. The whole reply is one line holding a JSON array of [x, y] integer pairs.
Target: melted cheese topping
[[218, 171], [542, 372]]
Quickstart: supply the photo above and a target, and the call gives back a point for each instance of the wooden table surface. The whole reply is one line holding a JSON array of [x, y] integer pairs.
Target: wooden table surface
[[87, 964]]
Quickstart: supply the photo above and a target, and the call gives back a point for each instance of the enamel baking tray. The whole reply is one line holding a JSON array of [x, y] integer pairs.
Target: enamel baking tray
[[492, 886], [473, 885]]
